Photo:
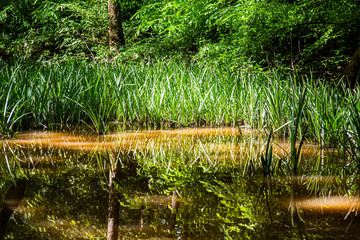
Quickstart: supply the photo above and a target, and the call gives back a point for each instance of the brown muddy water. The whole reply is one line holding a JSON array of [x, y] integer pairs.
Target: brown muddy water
[[196, 183]]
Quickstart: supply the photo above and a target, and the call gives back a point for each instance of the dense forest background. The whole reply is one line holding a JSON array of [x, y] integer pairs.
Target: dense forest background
[[308, 35]]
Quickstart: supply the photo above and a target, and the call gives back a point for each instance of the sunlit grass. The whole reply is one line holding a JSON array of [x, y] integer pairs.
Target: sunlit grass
[[167, 95]]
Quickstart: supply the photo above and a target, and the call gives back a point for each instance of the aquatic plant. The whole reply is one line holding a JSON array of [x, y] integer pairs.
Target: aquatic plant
[[11, 112], [297, 114], [267, 160], [351, 143], [170, 94]]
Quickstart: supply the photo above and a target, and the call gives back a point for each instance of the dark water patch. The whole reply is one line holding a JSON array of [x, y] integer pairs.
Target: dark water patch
[[10, 203], [58, 204]]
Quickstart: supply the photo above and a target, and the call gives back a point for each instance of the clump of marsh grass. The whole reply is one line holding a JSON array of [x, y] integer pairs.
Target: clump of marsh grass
[[11, 114], [267, 160], [297, 114], [170, 95], [11, 104], [351, 143]]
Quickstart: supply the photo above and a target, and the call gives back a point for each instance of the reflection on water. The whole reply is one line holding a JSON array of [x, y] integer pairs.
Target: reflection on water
[[330, 203], [12, 200], [214, 145], [174, 184]]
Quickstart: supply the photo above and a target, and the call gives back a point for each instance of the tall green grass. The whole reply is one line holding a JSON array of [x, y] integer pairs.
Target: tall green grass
[[170, 94]]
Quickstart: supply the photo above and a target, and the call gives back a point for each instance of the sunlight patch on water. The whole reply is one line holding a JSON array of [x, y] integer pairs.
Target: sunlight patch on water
[[225, 131], [112, 141], [331, 203], [140, 140], [215, 145]]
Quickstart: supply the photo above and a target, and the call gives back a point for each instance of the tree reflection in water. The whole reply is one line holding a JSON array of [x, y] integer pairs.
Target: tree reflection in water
[[164, 188], [114, 205]]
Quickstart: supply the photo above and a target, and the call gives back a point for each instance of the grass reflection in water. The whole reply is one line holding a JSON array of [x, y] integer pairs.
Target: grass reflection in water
[[176, 184]]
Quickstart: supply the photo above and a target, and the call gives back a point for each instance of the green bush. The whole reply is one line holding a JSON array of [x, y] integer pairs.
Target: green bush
[[267, 33], [296, 34], [46, 28]]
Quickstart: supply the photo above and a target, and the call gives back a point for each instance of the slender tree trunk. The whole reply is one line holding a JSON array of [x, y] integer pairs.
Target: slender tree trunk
[[352, 71], [113, 211], [174, 206], [114, 205], [116, 33]]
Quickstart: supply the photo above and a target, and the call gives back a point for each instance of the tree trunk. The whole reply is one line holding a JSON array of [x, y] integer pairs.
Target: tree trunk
[[114, 205], [113, 210], [352, 70], [116, 34]]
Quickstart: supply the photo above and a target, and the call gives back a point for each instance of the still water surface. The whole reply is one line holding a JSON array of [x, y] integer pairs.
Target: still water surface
[[204, 183]]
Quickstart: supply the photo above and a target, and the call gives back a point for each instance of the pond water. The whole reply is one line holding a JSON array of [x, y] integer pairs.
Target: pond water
[[197, 183]]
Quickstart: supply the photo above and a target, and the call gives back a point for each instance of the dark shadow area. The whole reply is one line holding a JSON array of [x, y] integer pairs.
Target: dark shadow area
[[12, 200]]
